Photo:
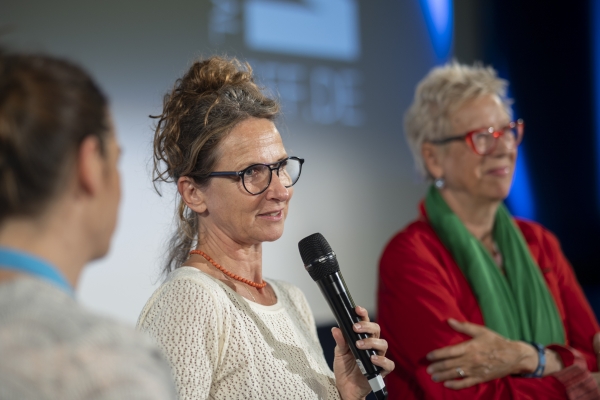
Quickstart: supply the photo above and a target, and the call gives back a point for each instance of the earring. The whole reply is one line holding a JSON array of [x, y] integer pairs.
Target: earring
[[439, 183]]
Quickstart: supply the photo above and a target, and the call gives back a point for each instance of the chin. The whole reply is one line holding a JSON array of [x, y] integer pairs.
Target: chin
[[497, 192], [102, 245], [272, 235], [100, 253]]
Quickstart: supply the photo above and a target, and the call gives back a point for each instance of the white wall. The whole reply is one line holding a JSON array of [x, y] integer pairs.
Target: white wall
[[343, 115]]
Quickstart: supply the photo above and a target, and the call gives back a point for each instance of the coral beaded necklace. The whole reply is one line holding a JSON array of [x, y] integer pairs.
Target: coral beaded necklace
[[229, 274]]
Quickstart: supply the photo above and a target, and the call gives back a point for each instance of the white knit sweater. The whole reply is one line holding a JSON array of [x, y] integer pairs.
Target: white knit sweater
[[223, 346], [52, 348]]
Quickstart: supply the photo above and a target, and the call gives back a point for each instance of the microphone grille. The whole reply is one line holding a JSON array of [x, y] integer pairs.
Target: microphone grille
[[311, 249]]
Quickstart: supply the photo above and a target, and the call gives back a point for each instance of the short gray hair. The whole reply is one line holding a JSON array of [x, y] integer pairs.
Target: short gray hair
[[443, 90]]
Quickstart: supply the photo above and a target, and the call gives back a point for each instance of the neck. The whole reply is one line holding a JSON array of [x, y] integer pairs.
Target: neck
[[243, 260], [50, 238], [478, 216]]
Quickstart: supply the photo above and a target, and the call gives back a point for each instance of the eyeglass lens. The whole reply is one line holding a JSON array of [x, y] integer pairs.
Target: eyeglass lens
[[485, 141], [257, 178]]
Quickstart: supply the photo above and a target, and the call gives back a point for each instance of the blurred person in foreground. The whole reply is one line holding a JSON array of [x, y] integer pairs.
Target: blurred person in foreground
[[59, 194], [469, 297], [228, 332]]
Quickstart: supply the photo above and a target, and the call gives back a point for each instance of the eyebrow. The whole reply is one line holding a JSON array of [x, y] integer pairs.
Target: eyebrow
[[504, 125], [259, 163]]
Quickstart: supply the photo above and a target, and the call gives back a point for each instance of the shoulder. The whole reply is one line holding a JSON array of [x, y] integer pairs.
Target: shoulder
[[57, 315], [292, 298], [186, 291], [290, 295], [286, 288], [416, 243], [186, 284], [415, 234], [535, 233], [189, 277], [95, 349], [128, 357], [543, 244]]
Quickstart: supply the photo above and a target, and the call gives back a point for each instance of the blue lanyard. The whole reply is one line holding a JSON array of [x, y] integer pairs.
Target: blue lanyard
[[23, 262]]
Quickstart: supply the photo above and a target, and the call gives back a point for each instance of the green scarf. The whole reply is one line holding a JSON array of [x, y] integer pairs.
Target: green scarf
[[517, 305]]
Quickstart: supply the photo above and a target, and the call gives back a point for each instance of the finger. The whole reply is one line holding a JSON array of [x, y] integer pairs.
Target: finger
[[341, 347], [385, 363], [370, 328], [379, 345], [467, 328], [596, 377], [447, 352], [596, 342], [462, 383], [362, 313], [446, 375], [448, 364]]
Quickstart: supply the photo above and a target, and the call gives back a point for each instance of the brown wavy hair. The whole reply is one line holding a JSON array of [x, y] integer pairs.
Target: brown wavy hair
[[47, 107], [212, 97]]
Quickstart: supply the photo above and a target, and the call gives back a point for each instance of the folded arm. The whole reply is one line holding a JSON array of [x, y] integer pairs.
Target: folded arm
[[420, 290]]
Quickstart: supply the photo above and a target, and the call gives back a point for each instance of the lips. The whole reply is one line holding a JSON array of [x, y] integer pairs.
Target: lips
[[272, 214], [499, 171]]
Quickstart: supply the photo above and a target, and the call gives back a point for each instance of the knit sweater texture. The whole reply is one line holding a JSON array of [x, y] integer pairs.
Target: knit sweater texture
[[53, 348], [223, 346]]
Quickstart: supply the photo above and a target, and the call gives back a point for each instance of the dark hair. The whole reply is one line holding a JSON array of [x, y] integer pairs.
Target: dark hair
[[47, 107], [205, 104]]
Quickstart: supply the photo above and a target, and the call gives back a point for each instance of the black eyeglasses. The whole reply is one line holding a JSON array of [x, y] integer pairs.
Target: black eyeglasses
[[257, 177]]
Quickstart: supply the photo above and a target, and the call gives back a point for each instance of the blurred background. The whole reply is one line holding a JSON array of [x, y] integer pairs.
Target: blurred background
[[345, 72]]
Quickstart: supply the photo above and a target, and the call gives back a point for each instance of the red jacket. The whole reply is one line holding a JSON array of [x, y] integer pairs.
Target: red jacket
[[421, 286]]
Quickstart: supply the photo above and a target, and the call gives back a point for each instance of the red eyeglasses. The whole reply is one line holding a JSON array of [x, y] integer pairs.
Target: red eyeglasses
[[484, 141]]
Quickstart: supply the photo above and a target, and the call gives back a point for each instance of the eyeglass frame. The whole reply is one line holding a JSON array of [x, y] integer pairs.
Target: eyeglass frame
[[468, 137], [272, 167]]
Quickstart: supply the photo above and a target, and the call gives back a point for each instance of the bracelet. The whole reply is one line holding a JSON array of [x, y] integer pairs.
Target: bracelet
[[539, 371]]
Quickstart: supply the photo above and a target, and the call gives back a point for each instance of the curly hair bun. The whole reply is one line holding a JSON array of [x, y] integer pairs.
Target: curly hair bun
[[215, 74]]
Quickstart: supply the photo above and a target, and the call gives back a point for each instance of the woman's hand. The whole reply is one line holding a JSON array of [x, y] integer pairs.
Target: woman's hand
[[350, 382], [485, 357], [596, 343]]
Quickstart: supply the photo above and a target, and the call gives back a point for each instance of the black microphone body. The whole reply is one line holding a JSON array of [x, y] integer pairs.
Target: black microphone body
[[322, 265]]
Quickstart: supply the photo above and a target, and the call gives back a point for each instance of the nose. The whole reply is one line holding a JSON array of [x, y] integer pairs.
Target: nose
[[277, 190], [505, 144]]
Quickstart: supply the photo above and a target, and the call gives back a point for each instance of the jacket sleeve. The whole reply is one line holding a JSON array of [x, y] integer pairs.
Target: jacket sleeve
[[417, 295], [579, 319]]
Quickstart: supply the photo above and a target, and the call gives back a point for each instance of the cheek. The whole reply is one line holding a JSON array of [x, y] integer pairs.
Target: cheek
[[465, 167], [241, 208], [119, 191], [513, 162], [287, 203]]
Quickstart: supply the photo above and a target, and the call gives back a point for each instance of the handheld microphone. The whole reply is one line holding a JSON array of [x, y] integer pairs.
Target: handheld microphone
[[321, 263]]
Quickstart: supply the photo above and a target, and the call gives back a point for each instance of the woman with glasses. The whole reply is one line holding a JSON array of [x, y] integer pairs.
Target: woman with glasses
[[227, 331], [475, 303]]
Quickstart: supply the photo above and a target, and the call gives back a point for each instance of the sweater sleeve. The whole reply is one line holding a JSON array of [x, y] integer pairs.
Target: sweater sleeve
[[417, 295], [184, 321], [134, 372]]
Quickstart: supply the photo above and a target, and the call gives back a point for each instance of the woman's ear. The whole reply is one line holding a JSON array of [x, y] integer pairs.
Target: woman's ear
[[191, 194], [432, 158], [90, 166]]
